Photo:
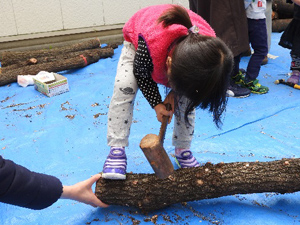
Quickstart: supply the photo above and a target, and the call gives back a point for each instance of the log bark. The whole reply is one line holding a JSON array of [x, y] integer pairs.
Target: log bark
[[279, 25], [31, 61], [104, 53], [147, 192], [284, 10], [86, 58], [10, 57]]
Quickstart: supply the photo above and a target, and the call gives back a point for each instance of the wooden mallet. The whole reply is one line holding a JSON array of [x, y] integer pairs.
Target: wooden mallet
[[152, 146]]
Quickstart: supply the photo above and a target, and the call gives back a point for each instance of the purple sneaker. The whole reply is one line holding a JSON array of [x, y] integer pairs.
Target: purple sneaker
[[186, 160], [115, 165], [294, 78]]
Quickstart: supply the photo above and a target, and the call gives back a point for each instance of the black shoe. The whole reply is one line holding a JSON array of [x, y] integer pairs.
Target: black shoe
[[235, 90]]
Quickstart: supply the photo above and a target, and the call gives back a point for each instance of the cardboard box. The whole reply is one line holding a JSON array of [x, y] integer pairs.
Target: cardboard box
[[57, 87]]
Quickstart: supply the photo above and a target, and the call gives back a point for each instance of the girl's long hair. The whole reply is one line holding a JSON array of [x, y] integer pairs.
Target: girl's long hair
[[201, 67]]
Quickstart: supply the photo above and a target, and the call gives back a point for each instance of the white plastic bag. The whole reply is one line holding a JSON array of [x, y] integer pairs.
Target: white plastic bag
[[43, 76], [25, 80]]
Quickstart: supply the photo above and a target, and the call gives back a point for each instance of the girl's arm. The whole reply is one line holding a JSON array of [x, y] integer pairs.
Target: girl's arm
[[142, 70]]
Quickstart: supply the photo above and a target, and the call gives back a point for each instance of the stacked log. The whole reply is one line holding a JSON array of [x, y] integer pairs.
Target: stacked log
[[51, 60], [282, 15]]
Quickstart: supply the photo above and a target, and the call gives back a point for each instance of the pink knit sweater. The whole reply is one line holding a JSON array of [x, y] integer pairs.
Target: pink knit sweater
[[158, 39]]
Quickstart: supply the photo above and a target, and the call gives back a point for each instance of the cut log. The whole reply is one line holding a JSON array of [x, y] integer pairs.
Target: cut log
[[10, 57], [113, 45], [284, 10], [147, 192], [280, 25], [88, 57], [104, 53], [31, 61], [274, 15]]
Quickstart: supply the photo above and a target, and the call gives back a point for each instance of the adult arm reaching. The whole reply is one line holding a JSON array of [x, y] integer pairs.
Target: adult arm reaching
[[22, 187]]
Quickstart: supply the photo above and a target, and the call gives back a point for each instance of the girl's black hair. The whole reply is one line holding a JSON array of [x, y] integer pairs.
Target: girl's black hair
[[201, 67]]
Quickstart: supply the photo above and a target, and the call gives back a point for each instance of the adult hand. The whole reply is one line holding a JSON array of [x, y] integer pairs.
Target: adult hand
[[82, 192]]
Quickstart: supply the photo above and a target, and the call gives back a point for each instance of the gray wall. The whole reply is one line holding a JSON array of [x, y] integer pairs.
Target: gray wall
[[28, 17]]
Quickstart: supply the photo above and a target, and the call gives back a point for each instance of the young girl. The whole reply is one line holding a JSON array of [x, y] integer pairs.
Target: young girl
[[172, 46], [291, 39]]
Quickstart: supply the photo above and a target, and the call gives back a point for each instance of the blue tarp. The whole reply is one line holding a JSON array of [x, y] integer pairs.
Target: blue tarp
[[65, 136]]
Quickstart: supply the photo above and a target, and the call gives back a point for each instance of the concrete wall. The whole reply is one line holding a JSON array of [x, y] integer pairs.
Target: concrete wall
[[27, 17], [36, 24]]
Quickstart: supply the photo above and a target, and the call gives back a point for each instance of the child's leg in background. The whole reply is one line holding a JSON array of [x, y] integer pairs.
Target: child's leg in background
[[120, 115], [295, 67], [182, 136], [234, 88], [295, 64], [258, 40]]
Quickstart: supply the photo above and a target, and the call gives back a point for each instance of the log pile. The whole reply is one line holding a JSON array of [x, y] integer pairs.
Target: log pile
[[146, 192], [52, 60], [282, 15]]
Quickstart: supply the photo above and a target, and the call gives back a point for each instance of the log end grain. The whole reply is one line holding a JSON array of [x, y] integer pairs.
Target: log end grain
[[149, 141]]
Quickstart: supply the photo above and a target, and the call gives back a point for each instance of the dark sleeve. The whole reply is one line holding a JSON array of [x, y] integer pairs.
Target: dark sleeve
[[142, 70], [19, 186], [289, 1]]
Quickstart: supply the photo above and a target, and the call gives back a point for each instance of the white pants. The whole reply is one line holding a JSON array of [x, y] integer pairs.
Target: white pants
[[121, 106]]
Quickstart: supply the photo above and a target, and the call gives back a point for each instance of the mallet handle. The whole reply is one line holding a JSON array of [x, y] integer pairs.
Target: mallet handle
[[164, 124], [282, 81]]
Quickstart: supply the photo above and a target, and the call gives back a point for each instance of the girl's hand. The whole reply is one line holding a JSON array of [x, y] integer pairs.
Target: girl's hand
[[161, 111], [82, 192]]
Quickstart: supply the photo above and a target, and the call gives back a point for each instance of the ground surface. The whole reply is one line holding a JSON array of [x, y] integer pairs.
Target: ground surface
[[65, 136]]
